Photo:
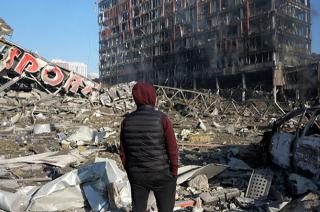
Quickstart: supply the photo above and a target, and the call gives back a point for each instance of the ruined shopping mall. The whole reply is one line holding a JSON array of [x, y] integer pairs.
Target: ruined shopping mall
[[207, 43], [60, 131]]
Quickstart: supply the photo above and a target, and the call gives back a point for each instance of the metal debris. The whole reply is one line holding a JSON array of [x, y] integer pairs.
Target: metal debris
[[83, 128], [259, 184]]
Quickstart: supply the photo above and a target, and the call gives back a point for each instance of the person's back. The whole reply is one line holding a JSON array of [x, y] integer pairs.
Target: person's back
[[145, 145], [149, 152]]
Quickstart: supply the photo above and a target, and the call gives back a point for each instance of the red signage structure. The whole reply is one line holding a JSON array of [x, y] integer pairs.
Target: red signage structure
[[19, 60]]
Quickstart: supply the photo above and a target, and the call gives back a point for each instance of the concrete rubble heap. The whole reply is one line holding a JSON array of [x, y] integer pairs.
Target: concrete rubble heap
[[52, 140], [59, 147]]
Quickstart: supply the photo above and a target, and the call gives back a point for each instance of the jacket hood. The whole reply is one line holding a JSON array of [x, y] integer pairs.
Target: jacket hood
[[144, 94]]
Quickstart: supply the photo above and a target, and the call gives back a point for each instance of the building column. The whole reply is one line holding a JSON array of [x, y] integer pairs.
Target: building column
[[297, 95], [217, 86], [194, 84], [244, 87], [273, 5]]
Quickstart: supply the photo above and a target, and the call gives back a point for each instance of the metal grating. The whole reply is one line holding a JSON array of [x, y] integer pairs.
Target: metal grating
[[259, 184]]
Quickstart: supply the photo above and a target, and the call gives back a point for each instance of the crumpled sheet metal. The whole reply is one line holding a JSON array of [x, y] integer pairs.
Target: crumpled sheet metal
[[96, 199], [188, 172], [68, 198], [46, 199], [16, 201], [43, 158], [66, 192], [96, 190], [113, 173]]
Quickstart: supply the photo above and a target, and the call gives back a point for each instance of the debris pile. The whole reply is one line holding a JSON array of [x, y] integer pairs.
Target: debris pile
[[59, 143], [52, 146]]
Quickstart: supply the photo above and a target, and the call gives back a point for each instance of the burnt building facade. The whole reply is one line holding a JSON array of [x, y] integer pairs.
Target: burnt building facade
[[203, 43]]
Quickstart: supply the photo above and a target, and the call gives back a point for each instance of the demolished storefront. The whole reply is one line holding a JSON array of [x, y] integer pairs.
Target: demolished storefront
[[57, 126]]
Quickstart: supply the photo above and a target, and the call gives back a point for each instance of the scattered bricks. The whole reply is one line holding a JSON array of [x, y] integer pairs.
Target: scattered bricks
[[232, 193], [244, 202], [200, 182], [221, 195], [207, 198]]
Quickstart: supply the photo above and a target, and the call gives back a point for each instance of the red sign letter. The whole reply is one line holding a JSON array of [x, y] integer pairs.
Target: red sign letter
[[13, 52], [74, 81], [53, 81], [28, 63], [87, 89]]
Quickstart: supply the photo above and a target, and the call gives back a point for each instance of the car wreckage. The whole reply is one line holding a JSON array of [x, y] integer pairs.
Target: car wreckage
[[295, 150]]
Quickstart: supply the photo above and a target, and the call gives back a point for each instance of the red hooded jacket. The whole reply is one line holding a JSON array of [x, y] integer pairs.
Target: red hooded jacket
[[145, 94]]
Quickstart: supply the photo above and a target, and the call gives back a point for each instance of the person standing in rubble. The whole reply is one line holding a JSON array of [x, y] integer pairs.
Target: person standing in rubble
[[149, 152]]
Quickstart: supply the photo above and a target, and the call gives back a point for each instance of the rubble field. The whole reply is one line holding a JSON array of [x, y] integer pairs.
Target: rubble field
[[60, 152]]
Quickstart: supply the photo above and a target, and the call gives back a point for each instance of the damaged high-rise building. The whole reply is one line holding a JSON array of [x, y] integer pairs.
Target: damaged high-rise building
[[203, 43]]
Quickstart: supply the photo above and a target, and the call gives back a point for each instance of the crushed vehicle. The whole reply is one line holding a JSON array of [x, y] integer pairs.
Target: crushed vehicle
[[293, 143]]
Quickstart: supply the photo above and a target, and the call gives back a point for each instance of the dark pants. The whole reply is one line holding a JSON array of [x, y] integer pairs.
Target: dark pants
[[163, 185]]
